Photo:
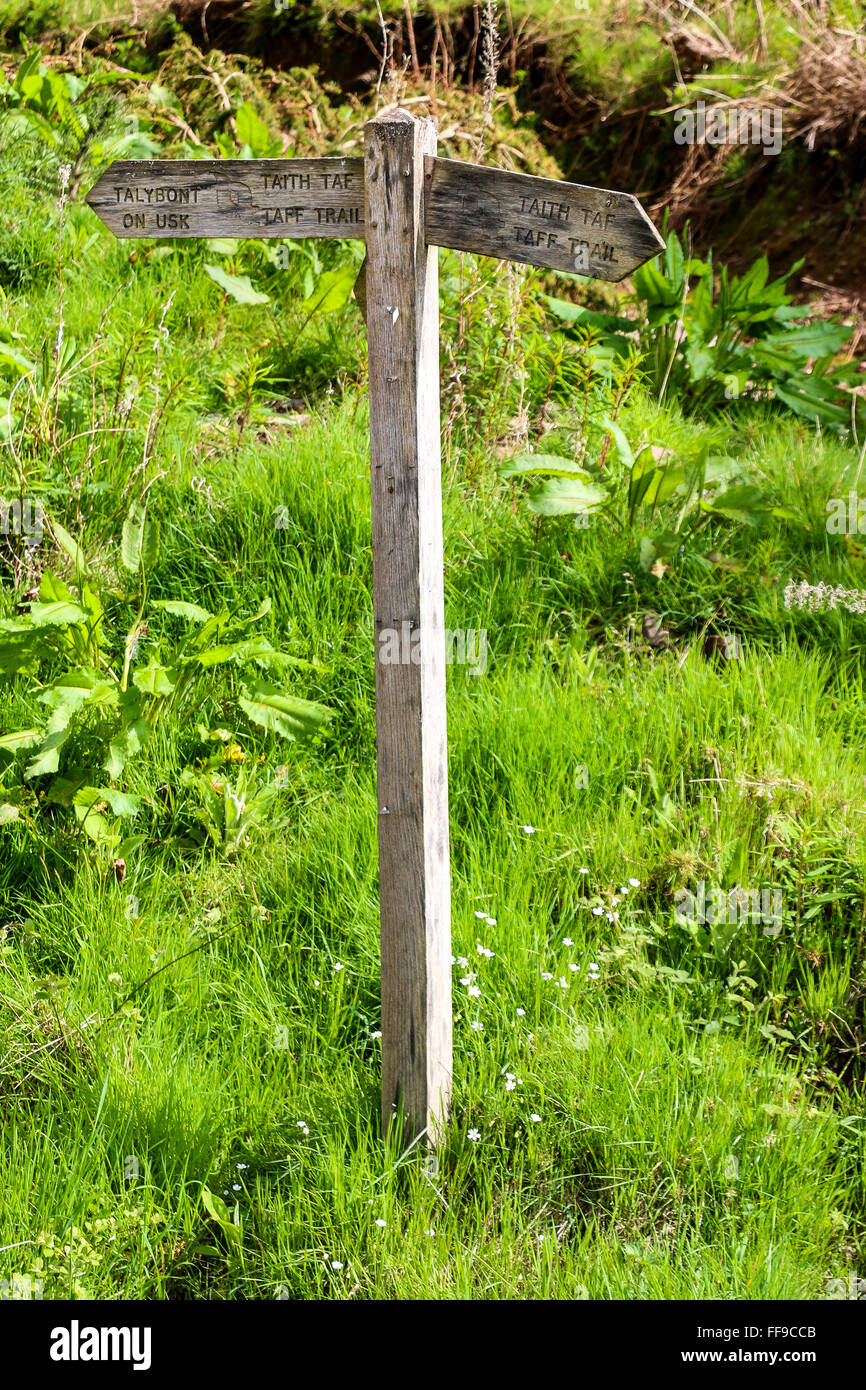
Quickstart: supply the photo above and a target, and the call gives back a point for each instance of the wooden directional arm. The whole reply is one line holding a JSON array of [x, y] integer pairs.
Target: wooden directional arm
[[232, 198], [595, 232], [517, 217]]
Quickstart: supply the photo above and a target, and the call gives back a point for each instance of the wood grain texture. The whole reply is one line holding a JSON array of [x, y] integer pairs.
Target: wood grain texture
[[360, 288], [402, 294], [232, 198], [518, 217]]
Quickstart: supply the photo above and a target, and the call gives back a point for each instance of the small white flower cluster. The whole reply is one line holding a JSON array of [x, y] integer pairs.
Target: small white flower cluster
[[612, 915], [815, 598], [593, 970], [469, 979]]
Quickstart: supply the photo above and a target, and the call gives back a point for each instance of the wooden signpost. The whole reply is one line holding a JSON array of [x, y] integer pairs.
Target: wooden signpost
[[404, 201]]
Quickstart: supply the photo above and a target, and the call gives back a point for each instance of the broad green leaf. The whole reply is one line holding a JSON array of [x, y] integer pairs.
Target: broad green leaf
[[238, 287], [815, 340], [77, 688], [588, 318], [125, 745], [252, 130], [269, 707], [139, 543], [48, 756], [24, 116], [754, 279], [90, 600], [128, 846], [21, 654], [62, 789], [154, 679], [8, 813], [210, 629], [701, 360], [56, 614], [549, 465], [640, 478], [86, 797], [648, 553], [332, 290], [815, 398], [663, 484], [52, 589], [653, 287], [22, 738], [247, 650], [121, 803], [215, 1207], [181, 609], [623, 447], [658, 543], [70, 546], [94, 823], [743, 502], [17, 359], [561, 496], [269, 657], [29, 67], [674, 260], [719, 467]]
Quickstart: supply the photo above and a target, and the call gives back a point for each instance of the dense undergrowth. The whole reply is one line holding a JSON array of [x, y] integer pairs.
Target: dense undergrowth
[[647, 1105], [597, 83]]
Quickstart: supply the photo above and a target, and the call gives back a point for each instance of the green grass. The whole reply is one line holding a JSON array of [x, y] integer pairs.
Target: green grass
[[620, 1188], [208, 1022]]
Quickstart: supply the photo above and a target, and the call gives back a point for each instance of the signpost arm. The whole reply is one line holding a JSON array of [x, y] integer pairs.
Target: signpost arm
[[402, 311]]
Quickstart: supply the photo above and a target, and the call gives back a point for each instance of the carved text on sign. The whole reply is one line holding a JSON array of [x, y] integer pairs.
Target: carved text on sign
[[232, 197], [562, 226]]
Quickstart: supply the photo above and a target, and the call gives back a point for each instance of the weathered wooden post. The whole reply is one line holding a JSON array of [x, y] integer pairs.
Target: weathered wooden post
[[402, 306]]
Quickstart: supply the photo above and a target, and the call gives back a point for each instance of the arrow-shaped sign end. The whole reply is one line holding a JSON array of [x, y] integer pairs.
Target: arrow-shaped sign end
[[654, 236], [645, 241]]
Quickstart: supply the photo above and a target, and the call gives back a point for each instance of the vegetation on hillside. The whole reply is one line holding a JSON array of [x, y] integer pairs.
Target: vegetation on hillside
[[638, 485]]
